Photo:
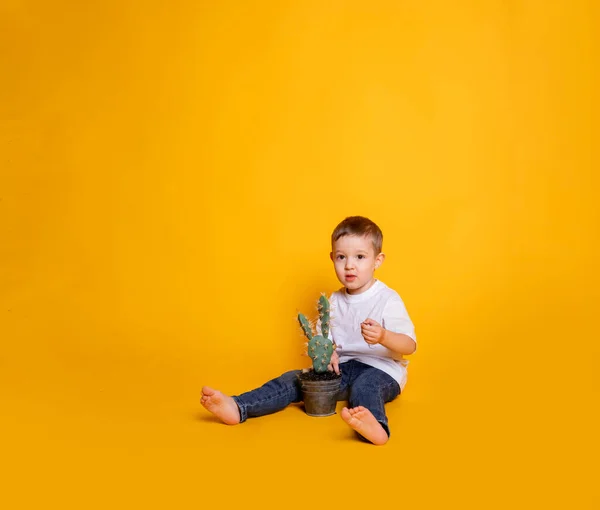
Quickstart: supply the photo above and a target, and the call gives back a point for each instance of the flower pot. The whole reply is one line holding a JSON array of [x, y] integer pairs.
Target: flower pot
[[320, 396]]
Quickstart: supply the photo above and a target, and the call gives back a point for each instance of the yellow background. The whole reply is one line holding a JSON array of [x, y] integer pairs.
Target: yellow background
[[170, 174]]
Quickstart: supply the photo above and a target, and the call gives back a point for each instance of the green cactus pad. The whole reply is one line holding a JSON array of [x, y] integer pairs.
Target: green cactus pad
[[323, 308], [320, 350], [305, 325]]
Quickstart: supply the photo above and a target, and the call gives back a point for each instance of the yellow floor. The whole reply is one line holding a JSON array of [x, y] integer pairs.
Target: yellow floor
[[109, 427]]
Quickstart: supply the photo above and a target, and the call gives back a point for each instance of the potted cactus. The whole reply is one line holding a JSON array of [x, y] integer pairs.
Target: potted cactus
[[319, 386]]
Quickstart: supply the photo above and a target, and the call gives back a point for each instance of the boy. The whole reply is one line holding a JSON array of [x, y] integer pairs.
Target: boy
[[371, 329]]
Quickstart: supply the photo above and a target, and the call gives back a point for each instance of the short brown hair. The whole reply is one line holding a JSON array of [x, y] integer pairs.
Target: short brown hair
[[359, 226]]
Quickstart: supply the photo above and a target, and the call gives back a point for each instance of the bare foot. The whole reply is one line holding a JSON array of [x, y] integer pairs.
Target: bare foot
[[363, 421], [222, 406]]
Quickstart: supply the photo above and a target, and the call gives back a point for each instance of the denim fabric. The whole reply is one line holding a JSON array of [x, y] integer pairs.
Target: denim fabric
[[362, 385]]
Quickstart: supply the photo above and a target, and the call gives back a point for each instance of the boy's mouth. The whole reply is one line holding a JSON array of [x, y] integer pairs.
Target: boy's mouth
[[350, 277]]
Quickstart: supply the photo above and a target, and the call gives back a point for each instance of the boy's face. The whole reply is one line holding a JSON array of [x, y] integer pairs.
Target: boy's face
[[355, 262]]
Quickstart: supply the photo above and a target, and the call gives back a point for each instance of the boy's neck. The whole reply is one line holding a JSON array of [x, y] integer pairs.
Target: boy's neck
[[362, 289]]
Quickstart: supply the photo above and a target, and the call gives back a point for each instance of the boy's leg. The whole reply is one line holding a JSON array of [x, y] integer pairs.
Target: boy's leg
[[370, 390], [270, 397], [220, 405]]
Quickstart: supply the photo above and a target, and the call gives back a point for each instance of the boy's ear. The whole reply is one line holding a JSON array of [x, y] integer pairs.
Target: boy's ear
[[379, 259], [331, 255]]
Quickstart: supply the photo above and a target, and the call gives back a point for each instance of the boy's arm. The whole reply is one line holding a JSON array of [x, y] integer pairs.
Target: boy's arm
[[399, 333], [399, 343]]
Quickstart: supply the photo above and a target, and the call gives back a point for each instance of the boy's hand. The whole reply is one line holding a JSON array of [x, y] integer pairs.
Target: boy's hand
[[372, 331], [335, 363]]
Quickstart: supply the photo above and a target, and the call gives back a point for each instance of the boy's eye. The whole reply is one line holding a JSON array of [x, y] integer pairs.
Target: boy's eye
[[361, 257], [340, 257]]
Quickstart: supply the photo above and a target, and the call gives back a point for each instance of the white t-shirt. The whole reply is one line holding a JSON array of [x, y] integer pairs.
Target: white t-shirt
[[381, 304]]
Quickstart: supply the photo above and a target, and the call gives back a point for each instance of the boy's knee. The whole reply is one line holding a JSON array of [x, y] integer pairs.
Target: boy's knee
[[292, 375]]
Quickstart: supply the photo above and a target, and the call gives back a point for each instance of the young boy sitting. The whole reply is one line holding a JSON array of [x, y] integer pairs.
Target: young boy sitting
[[372, 332]]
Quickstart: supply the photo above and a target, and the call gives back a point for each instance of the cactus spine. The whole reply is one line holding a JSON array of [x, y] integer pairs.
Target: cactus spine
[[323, 308], [320, 348], [305, 325]]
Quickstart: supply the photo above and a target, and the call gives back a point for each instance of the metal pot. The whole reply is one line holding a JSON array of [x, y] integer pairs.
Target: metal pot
[[320, 397]]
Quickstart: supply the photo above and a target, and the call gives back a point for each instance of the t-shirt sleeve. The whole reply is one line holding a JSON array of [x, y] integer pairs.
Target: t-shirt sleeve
[[396, 318]]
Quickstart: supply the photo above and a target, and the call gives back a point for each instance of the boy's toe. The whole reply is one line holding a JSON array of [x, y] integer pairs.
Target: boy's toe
[[207, 391]]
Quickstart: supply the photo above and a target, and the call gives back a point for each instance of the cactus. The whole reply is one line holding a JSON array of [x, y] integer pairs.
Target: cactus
[[305, 325], [320, 348], [323, 308]]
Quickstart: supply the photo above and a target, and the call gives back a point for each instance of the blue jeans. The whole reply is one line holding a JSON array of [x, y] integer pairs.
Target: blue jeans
[[362, 385]]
